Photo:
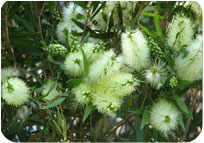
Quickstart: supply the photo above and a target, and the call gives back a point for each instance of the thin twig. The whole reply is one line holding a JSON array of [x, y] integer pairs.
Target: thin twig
[[139, 11], [86, 21], [188, 122], [6, 36], [39, 20], [117, 125]]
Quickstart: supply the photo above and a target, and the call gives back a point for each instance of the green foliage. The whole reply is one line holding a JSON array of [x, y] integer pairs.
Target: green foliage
[[33, 46]]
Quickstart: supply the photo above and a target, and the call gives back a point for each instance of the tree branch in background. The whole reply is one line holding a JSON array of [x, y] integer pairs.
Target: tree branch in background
[[6, 36], [139, 10], [39, 20], [117, 125], [188, 122], [86, 21]]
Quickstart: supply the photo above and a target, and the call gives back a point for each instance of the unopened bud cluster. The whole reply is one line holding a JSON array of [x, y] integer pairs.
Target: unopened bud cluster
[[173, 82], [99, 47], [56, 15], [56, 49], [155, 49], [74, 44]]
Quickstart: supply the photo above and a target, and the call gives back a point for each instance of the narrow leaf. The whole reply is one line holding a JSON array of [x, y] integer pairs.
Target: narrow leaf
[[89, 108], [181, 104], [145, 118], [74, 82], [54, 103], [180, 121], [153, 15], [85, 60]]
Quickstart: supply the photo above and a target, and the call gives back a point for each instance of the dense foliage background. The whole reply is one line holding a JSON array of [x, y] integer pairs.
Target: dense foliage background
[[26, 24]]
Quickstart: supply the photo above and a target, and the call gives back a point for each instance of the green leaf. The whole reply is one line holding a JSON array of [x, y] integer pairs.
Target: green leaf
[[181, 104], [89, 108], [146, 30], [95, 6], [155, 134], [81, 25], [80, 3], [74, 82], [180, 121], [51, 59], [183, 51], [86, 38], [98, 9], [58, 127], [22, 22], [139, 131], [66, 34], [54, 103], [36, 101], [85, 60], [117, 27], [158, 28], [169, 59], [44, 44], [145, 118], [153, 15]]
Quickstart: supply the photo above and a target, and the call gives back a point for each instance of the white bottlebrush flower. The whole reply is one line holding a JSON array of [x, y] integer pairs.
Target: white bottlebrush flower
[[71, 11], [15, 91], [118, 84], [74, 65], [105, 65], [135, 50], [92, 51], [190, 67], [83, 93], [61, 27], [197, 10], [127, 10], [180, 32], [101, 21], [8, 72], [164, 116], [156, 75], [53, 93], [105, 103]]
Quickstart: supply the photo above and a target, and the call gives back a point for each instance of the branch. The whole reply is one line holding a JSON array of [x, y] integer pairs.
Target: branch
[[86, 22], [39, 21], [188, 122], [117, 125], [139, 11], [6, 36]]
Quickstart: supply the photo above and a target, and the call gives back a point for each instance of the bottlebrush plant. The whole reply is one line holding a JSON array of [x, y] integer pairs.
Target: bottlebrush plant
[[96, 71]]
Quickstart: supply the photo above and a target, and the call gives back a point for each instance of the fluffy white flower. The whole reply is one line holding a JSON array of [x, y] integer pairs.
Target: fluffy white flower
[[105, 103], [105, 65], [180, 32], [92, 52], [101, 21], [9, 72], [68, 13], [71, 11], [164, 116], [156, 75], [74, 64], [83, 93], [118, 84], [53, 93], [15, 91], [190, 67], [135, 50], [61, 27]]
